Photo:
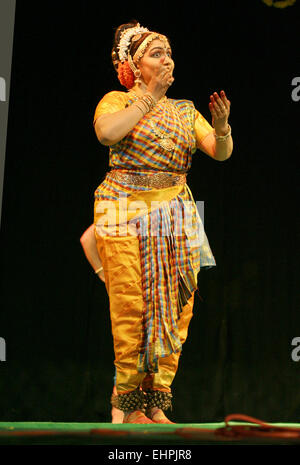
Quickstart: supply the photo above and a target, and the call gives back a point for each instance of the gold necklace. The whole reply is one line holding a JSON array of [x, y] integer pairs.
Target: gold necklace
[[164, 138]]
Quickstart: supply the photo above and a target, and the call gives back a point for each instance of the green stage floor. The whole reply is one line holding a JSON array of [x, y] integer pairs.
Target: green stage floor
[[134, 434]]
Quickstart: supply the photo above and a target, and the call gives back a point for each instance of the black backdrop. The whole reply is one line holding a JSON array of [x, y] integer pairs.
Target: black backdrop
[[54, 311]]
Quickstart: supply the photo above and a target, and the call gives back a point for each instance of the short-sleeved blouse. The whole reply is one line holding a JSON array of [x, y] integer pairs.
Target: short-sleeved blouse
[[140, 149]]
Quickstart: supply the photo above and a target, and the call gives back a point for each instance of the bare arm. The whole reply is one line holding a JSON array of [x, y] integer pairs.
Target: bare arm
[[110, 128], [89, 245], [220, 109], [219, 150]]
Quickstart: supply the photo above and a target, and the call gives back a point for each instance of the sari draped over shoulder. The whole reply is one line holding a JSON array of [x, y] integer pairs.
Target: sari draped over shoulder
[[145, 194]]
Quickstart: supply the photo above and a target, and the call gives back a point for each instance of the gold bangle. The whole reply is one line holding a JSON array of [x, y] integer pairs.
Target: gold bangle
[[148, 103], [147, 97], [150, 96], [145, 103], [99, 269], [141, 109], [226, 135]]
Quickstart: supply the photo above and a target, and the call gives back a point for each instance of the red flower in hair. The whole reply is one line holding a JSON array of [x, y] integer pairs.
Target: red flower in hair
[[125, 75]]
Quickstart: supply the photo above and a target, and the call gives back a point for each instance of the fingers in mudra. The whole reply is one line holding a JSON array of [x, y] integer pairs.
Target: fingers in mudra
[[219, 106]]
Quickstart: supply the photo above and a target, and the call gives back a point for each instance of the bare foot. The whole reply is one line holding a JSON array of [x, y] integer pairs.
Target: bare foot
[[158, 416], [117, 415], [137, 416]]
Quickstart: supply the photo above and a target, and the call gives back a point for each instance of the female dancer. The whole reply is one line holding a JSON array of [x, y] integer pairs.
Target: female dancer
[[149, 236]]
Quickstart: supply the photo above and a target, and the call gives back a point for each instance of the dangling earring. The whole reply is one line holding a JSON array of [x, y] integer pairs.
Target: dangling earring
[[137, 75]]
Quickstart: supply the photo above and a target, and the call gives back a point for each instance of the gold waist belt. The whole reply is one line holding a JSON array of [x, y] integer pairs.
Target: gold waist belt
[[159, 179]]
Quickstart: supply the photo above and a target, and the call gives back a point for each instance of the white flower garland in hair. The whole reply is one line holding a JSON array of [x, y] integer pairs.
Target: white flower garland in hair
[[125, 39]]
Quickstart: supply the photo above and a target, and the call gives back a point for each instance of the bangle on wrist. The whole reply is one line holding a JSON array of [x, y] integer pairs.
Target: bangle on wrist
[[221, 138], [145, 103], [98, 270], [149, 97], [142, 109]]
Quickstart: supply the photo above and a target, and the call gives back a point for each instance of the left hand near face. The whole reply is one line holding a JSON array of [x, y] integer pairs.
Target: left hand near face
[[220, 109]]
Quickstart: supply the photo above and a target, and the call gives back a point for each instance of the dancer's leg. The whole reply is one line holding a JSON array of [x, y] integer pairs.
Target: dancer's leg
[[121, 262], [117, 415], [89, 245], [157, 385]]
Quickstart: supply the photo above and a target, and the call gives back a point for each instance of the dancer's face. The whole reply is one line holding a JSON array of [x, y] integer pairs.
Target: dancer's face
[[158, 54]]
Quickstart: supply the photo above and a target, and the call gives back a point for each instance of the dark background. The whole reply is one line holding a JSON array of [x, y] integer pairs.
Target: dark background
[[54, 310]]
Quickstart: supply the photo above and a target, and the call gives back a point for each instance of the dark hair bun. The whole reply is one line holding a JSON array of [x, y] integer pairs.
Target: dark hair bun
[[117, 37], [122, 28]]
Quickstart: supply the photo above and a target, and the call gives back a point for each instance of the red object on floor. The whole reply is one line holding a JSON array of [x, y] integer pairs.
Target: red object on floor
[[259, 428]]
